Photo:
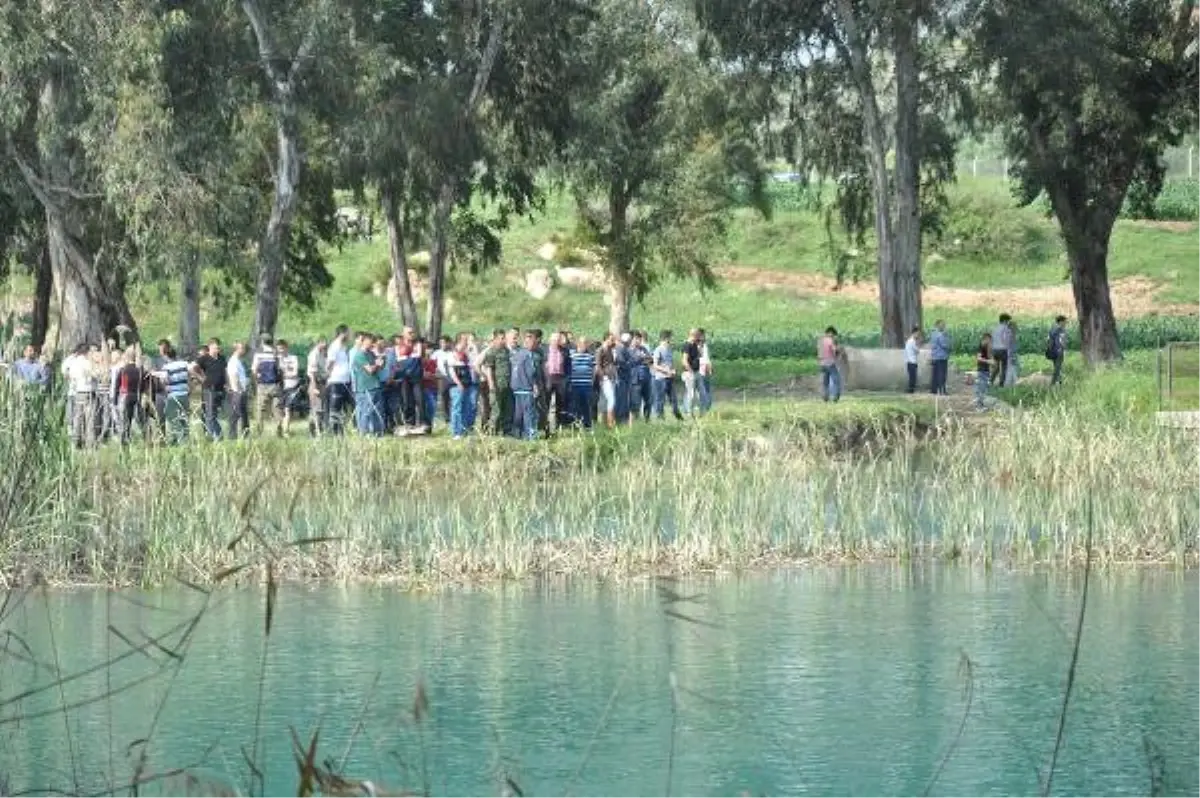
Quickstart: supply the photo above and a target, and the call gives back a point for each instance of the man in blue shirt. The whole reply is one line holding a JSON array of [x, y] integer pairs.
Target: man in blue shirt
[[939, 356], [641, 397], [29, 370]]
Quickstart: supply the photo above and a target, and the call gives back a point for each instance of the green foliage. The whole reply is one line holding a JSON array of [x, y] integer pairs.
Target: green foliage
[[657, 150], [982, 227], [1089, 93], [1178, 201]]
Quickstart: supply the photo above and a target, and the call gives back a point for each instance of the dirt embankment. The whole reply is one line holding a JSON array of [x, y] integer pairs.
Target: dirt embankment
[[1132, 296]]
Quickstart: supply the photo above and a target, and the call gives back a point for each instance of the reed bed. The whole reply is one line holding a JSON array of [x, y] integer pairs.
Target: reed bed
[[733, 492]]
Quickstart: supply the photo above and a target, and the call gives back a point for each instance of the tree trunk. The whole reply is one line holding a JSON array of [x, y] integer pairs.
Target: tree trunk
[[272, 249], [619, 306], [80, 320], [876, 144], [90, 300], [189, 309], [618, 258], [1087, 252], [902, 311], [435, 306], [406, 306], [446, 194], [40, 322]]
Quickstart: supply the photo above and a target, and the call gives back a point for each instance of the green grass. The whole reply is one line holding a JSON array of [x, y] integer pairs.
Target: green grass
[[754, 484]]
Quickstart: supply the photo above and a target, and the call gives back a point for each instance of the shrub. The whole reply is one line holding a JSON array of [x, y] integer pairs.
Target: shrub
[[989, 228]]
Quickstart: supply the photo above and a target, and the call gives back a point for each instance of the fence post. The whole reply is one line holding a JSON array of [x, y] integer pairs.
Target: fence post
[[1006, 170], [1191, 152], [975, 167], [1170, 371], [1158, 370]]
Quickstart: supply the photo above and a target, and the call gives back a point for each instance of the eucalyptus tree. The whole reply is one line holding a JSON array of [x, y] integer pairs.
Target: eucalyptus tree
[[1088, 94], [459, 105], [77, 123], [656, 152], [869, 87], [298, 45]]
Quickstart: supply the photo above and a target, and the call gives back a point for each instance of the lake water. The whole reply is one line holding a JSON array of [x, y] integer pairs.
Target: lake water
[[815, 681]]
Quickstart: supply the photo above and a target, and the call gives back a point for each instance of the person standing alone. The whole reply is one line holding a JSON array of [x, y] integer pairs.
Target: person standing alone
[[827, 355], [1056, 347], [1001, 339]]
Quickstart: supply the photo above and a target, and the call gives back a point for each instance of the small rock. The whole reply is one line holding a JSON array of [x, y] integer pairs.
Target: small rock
[[548, 251], [538, 283]]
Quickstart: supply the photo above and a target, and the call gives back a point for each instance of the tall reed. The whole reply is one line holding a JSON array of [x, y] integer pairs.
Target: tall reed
[[685, 498]]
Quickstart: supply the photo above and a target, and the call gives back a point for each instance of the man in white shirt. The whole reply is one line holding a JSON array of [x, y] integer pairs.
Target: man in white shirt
[[81, 393], [444, 357], [705, 376], [340, 398], [237, 384], [912, 354], [289, 367]]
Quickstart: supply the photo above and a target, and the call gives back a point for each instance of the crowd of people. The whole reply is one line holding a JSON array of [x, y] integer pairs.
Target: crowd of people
[[518, 384]]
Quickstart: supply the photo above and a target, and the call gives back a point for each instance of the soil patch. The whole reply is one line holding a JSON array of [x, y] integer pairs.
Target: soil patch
[[1170, 226], [1132, 296]]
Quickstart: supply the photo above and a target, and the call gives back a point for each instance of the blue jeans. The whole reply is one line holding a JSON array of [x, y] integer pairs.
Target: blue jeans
[[214, 403], [430, 397], [525, 417], [392, 407], [831, 383], [664, 390], [706, 395], [983, 380], [462, 408], [581, 404], [1058, 363], [339, 402], [940, 369], [641, 399], [622, 404], [368, 408]]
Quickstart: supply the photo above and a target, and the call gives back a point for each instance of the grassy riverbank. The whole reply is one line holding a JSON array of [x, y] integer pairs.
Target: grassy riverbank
[[758, 483]]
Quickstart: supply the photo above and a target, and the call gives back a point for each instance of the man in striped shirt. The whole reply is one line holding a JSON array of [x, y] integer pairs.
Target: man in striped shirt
[[583, 378], [174, 375]]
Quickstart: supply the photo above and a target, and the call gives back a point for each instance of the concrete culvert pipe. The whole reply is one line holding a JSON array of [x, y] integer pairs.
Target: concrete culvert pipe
[[885, 370]]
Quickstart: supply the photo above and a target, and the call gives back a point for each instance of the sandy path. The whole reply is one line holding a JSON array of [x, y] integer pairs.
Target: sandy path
[[1132, 296]]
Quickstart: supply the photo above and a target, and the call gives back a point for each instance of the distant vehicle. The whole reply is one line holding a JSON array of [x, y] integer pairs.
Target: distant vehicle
[[788, 177]]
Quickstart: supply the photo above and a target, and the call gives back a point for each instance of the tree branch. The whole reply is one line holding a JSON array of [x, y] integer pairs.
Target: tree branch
[[267, 51], [308, 42], [488, 60]]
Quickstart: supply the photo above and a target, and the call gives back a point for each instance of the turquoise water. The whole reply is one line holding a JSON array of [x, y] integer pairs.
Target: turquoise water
[[815, 681]]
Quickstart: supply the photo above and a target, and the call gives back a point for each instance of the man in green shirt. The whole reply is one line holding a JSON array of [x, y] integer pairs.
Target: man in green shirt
[[368, 392], [497, 370]]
